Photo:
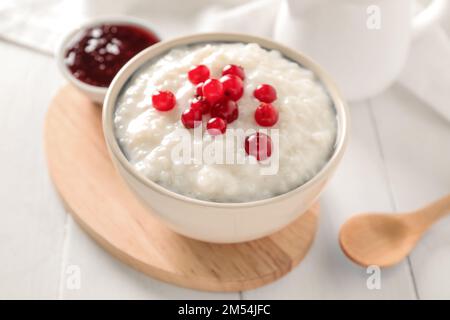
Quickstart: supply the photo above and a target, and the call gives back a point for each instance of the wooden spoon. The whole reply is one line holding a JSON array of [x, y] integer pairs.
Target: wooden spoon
[[384, 239]]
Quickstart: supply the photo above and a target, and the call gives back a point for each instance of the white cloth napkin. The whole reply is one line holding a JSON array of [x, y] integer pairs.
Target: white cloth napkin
[[39, 24]]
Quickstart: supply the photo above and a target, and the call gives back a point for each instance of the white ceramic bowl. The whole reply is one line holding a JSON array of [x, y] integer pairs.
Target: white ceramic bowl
[[222, 222], [95, 93]]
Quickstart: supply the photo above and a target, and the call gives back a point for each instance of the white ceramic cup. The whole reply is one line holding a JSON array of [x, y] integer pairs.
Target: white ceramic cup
[[211, 221], [362, 43]]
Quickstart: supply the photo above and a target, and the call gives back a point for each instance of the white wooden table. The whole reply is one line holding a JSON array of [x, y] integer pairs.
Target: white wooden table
[[398, 159]]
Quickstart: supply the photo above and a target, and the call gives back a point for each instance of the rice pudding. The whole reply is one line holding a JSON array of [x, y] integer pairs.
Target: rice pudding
[[305, 124]]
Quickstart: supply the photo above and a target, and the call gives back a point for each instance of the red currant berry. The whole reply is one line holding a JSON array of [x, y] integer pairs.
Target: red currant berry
[[199, 90], [216, 126], [198, 74], [234, 70], [201, 104], [213, 91], [258, 145], [266, 115], [191, 118], [265, 93], [233, 87], [227, 110], [163, 100]]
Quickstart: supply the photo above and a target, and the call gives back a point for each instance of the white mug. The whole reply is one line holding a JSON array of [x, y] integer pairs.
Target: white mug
[[362, 43]]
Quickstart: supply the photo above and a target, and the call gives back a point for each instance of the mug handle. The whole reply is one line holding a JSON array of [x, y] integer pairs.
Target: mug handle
[[429, 16]]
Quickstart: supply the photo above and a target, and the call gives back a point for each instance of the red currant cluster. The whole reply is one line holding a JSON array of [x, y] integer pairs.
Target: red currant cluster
[[219, 97], [215, 96]]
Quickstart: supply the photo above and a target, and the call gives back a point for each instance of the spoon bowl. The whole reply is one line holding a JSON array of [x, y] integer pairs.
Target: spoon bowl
[[385, 239], [377, 239]]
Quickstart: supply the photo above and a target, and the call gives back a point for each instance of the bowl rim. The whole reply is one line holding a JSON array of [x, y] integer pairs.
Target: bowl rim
[[109, 106], [66, 39]]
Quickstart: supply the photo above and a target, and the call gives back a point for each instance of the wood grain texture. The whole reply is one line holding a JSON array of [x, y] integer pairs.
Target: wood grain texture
[[101, 203]]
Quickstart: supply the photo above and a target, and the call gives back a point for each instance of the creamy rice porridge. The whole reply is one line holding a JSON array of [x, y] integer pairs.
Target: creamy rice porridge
[[306, 124]]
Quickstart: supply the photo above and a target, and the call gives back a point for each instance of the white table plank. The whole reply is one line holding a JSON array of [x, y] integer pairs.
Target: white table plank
[[416, 146], [104, 277], [32, 225], [359, 185]]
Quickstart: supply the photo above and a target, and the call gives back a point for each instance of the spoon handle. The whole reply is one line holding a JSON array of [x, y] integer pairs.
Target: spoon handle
[[434, 211]]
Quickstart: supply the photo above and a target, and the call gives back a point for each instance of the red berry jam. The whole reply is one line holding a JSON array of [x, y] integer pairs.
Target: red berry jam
[[266, 115], [258, 145], [265, 93], [101, 51]]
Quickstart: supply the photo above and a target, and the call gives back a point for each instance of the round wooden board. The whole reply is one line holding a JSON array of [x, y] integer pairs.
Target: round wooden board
[[102, 204]]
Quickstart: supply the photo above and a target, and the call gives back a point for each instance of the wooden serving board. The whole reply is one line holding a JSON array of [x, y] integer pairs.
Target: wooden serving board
[[106, 209]]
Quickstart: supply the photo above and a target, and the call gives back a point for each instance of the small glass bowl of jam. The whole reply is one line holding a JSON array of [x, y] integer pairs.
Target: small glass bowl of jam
[[90, 56]]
